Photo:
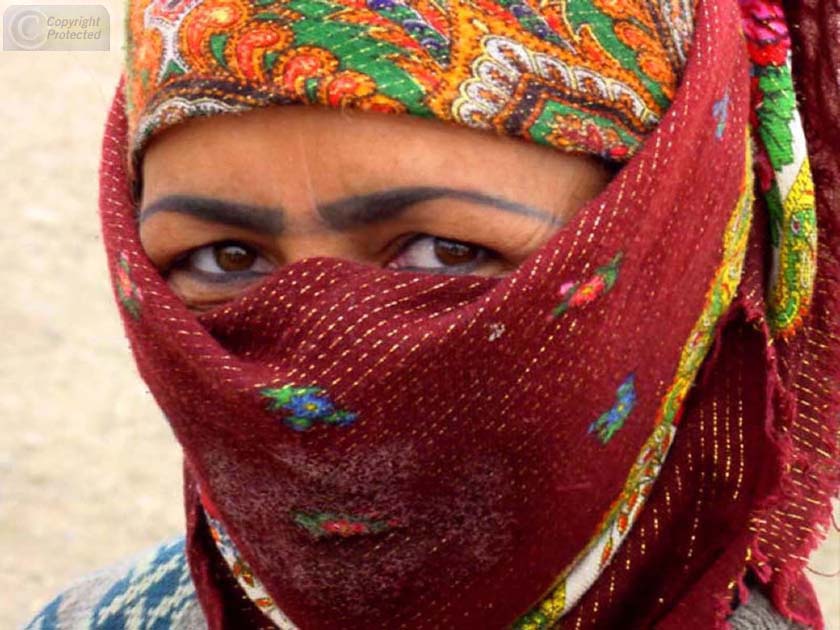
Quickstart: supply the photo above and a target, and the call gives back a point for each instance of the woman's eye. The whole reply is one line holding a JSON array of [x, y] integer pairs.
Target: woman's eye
[[225, 261], [441, 255], [234, 262]]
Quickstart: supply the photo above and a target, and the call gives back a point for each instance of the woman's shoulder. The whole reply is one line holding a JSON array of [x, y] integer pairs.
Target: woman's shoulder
[[758, 614], [154, 590], [151, 589]]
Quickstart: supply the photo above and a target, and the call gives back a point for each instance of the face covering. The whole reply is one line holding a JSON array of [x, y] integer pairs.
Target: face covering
[[611, 436]]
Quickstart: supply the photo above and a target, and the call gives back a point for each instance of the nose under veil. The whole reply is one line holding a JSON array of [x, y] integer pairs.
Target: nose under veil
[[608, 437]]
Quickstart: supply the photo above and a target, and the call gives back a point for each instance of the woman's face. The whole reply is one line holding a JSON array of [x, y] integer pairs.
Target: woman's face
[[228, 199]]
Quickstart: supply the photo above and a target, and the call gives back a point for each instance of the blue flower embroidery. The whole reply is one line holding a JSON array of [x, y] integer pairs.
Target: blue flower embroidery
[[610, 422], [310, 406], [720, 110], [305, 406]]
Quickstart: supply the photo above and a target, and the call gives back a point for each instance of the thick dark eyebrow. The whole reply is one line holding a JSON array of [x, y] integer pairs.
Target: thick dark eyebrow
[[388, 204], [343, 214], [234, 213]]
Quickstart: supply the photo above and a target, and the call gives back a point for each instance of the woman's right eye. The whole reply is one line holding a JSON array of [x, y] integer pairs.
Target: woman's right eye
[[224, 261]]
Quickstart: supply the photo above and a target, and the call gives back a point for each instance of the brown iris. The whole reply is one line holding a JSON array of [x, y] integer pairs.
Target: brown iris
[[232, 257], [454, 252]]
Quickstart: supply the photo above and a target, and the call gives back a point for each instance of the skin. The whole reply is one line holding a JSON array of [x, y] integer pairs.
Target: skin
[[228, 199]]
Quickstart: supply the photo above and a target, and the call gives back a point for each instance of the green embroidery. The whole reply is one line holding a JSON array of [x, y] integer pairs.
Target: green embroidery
[[608, 424], [128, 292], [333, 524], [306, 406], [576, 294]]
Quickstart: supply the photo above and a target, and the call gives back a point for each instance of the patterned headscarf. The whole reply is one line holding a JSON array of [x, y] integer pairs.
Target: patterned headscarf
[[590, 76], [613, 435]]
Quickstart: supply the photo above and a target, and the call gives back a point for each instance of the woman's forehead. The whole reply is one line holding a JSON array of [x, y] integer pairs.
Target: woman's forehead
[[277, 150]]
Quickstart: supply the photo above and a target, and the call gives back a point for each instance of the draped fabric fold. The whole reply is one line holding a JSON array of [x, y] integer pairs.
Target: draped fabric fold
[[610, 437]]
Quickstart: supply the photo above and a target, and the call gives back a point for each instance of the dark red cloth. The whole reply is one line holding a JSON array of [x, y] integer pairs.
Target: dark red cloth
[[479, 449]]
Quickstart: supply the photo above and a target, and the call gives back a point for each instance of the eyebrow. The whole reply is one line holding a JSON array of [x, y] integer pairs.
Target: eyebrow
[[388, 204], [343, 214], [234, 213]]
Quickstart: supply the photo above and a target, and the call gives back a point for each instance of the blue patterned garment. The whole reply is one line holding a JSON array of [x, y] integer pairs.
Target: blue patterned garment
[[152, 591]]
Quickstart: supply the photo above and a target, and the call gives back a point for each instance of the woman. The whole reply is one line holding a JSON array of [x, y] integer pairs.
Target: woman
[[431, 375]]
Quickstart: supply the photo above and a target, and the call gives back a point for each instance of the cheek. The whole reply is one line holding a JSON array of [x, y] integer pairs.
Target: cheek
[[589, 178], [192, 294], [203, 295], [525, 239]]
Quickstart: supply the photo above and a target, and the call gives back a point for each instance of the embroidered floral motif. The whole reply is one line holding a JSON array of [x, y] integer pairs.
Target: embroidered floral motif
[[576, 294], [128, 292], [335, 525], [606, 426], [720, 111], [306, 405], [784, 170]]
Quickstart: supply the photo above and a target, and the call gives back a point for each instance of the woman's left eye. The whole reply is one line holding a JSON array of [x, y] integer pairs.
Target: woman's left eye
[[439, 255], [224, 261]]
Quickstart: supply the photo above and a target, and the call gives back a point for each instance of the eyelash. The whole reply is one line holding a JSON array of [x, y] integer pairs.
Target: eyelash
[[484, 254], [182, 261]]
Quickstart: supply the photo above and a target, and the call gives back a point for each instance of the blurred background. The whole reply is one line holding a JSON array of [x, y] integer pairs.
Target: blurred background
[[89, 471]]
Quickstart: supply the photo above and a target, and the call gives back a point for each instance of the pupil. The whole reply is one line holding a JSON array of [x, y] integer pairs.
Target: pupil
[[453, 252], [233, 257]]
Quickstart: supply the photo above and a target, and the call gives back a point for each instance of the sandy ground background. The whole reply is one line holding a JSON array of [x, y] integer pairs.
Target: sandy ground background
[[89, 471]]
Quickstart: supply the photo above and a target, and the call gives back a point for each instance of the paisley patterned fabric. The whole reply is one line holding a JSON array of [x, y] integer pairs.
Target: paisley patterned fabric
[[784, 169], [581, 75]]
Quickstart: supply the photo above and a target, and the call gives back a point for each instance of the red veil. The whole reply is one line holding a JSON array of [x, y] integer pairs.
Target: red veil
[[611, 436]]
